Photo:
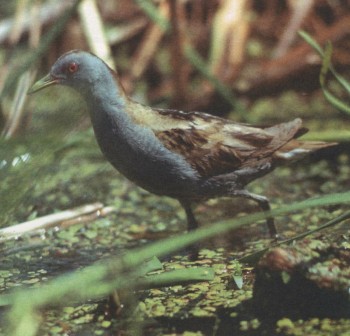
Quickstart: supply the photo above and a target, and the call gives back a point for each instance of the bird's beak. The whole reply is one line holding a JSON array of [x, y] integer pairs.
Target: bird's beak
[[43, 83]]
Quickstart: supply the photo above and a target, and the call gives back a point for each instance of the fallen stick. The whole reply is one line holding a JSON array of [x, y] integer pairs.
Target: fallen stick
[[77, 215]]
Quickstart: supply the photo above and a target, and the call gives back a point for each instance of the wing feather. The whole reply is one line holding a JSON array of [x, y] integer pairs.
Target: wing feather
[[213, 145]]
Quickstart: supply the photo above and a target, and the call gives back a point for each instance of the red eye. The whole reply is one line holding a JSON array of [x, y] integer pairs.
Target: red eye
[[72, 67]]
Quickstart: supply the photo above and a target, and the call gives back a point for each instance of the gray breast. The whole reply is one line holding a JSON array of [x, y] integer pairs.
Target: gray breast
[[136, 153]]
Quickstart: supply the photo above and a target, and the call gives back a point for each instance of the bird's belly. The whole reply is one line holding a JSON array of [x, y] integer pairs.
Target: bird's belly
[[155, 176], [157, 173]]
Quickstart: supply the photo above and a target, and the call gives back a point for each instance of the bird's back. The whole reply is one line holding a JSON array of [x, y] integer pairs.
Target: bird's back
[[215, 146]]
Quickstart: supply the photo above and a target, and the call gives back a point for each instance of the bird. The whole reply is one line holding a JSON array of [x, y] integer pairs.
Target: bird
[[189, 156]]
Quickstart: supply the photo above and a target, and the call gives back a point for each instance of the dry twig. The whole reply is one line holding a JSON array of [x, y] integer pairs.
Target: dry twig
[[94, 32], [300, 9], [16, 114], [64, 219]]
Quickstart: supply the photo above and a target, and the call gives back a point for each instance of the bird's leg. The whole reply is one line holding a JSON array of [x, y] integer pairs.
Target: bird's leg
[[264, 204], [192, 223]]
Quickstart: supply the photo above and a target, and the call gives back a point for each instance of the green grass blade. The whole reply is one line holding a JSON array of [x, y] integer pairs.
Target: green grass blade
[[326, 61], [344, 83], [153, 13], [340, 105], [311, 41], [314, 44]]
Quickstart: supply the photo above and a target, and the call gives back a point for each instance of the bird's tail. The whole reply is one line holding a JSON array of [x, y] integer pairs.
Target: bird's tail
[[295, 149]]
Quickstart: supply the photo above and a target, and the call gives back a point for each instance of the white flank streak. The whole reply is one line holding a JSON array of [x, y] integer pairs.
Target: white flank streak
[[293, 154]]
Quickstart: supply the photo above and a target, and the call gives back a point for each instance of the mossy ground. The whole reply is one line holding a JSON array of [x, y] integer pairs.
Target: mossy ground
[[64, 168]]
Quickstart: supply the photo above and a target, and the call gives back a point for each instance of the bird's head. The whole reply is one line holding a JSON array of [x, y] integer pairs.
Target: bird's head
[[78, 69]]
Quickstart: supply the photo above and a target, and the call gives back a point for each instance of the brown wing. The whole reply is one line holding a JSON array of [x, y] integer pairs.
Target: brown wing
[[223, 147], [208, 159], [213, 145]]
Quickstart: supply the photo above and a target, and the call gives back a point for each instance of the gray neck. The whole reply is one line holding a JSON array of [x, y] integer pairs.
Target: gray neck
[[104, 93], [107, 109]]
